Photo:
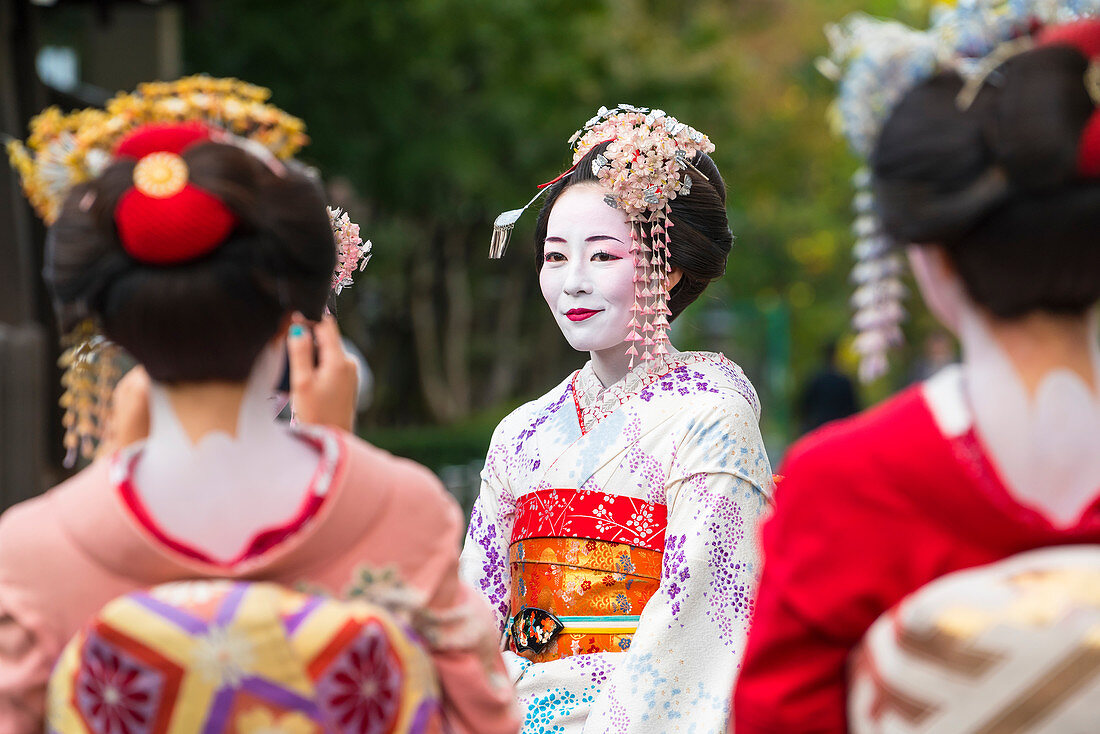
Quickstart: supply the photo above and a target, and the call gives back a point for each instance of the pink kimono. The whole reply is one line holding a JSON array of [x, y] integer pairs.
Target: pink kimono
[[377, 527]]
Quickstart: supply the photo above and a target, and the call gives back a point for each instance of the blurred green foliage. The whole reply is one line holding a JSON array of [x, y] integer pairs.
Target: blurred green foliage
[[438, 446], [441, 113]]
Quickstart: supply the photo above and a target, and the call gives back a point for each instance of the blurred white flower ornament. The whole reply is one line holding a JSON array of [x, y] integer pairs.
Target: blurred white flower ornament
[[875, 63]]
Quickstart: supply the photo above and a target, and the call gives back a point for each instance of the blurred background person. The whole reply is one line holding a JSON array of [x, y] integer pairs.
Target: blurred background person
[[937, 351], [828, 394]]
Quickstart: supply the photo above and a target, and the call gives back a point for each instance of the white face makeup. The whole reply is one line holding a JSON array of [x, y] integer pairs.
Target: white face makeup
[[587, 275]]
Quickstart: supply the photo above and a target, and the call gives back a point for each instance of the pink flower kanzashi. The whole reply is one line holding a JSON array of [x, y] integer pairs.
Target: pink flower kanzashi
[[352, 253]]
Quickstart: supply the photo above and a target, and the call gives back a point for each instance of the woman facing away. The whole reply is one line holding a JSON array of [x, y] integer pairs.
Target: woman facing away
[[992, 169], [193, 254], [615, 532]]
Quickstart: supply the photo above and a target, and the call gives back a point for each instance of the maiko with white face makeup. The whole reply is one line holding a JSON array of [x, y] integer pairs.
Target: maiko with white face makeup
[[587, 274], [642, 433]]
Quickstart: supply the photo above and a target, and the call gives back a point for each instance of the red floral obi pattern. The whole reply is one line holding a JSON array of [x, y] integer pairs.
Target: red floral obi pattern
[[583, 566], [581, 513]]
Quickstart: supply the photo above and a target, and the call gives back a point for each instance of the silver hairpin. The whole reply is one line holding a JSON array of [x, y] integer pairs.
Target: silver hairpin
[[982, 72], [502, 227], [685, 186], [683, 160], [255, 148], [598, 163]]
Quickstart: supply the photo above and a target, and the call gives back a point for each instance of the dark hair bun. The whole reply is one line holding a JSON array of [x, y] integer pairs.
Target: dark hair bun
[[700, 236], [209, 318], [996, 183], [1036, 127]]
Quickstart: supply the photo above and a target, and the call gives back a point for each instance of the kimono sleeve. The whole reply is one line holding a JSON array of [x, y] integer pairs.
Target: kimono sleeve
[[477, 696], [27, 652], [24, 671], [484, 563], [833, 551], [682, 662]]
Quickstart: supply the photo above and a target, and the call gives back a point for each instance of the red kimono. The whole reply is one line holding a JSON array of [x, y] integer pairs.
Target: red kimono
[[871, 509]]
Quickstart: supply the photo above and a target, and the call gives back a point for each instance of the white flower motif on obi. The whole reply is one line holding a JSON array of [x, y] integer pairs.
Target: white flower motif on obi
[[223, 656], [642, 522], [191, 593], [602, 512]]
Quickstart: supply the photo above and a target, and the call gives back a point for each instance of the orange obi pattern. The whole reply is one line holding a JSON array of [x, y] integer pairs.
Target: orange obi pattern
[[592, 590]]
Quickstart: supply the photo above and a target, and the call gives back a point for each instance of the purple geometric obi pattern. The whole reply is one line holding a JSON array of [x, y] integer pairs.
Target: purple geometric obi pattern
[[214, 657]]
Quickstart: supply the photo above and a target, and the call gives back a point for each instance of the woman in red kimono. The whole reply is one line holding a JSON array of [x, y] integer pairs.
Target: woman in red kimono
[[993, 170]]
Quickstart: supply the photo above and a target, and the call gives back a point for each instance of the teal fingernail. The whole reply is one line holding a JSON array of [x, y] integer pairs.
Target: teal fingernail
[[296, 331]]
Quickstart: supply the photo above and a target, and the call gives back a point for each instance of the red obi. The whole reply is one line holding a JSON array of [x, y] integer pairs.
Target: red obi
[[582, 513], [583, 566]]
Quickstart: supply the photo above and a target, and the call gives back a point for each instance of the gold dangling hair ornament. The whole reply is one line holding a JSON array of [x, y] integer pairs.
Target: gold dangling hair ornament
[[91, 370]]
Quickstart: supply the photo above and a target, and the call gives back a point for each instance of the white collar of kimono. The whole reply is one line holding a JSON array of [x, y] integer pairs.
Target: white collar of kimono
[[1046, 445], [216, 494], [590, 391]]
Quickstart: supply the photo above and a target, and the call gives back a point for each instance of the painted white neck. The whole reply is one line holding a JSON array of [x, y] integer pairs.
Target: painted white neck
[[1032, 388], [1038, 412], [212, 484]]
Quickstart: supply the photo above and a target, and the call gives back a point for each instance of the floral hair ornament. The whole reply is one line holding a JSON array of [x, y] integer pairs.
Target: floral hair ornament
[[63, 150], [647, 164], [876, 63], [66, 149], [352, 253]]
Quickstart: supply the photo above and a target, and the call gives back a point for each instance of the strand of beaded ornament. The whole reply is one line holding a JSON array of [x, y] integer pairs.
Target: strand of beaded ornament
[[648, 253], [636, 309], [664, 269], [652, 268]]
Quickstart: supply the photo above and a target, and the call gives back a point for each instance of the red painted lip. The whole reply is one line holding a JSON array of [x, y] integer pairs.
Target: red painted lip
[[580, 314]]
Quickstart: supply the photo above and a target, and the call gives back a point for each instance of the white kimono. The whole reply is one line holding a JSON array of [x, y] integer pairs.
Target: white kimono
[[686, 436]]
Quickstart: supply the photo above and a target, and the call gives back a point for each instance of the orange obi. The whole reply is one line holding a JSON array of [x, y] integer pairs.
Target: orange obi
[[573, 593]]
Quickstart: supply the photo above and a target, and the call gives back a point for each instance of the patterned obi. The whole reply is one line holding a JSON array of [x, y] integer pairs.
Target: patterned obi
[[221, 657], [583, 566]]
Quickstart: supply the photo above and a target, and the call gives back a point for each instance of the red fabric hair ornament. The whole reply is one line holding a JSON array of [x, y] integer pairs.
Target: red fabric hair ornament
[[165, 219], [1084, 36]]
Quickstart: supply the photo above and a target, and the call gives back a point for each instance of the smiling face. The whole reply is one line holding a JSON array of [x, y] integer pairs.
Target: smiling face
[[587, 275]]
